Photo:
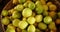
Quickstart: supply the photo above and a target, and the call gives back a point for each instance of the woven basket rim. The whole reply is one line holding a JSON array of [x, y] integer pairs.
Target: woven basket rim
[[7, 7]]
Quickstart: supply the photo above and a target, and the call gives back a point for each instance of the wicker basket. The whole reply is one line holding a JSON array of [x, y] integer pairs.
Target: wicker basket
[[8, 6], [11, 5]]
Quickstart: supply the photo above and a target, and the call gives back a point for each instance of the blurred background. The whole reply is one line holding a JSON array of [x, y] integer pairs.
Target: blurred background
[[3, 3]]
